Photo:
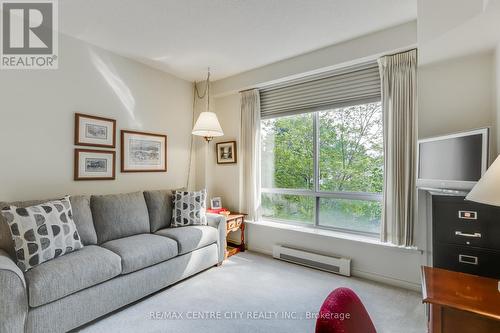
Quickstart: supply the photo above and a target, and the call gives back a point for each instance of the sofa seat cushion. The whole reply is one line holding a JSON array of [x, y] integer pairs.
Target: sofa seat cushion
[[70, 273], [140, 251], [190, 238]]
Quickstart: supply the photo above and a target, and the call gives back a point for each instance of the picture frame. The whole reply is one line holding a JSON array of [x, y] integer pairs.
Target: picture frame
[[216, 203], [226, 152], [93, 164], [95, 131], [143, 152]]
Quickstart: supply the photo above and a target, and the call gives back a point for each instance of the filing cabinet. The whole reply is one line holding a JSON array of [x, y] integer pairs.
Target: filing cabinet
[[466, 236]]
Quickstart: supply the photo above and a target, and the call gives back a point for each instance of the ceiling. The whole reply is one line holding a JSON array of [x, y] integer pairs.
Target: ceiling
[[470, 28], [184, 37]]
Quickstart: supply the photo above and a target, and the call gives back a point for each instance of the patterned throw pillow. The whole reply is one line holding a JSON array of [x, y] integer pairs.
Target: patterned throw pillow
[[42, 232], [189, 208]]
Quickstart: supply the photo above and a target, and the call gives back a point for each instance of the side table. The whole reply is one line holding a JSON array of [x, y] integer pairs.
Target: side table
[[235, 221]]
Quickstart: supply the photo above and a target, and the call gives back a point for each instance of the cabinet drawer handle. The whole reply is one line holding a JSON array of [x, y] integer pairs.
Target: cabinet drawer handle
[[467, 215], [465, 259], [474, 235]]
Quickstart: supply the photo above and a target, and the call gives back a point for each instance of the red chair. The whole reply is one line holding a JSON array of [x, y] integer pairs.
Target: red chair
[[343, 312]]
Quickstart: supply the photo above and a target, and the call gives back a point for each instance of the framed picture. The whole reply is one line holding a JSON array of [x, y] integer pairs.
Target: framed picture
[[216, 203], [93, 164], [94, 131], [143, 152], [226, 152]]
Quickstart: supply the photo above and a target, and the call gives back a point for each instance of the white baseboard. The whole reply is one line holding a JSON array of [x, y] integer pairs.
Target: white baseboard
[[364, 275], [386, 280], [258, 250]]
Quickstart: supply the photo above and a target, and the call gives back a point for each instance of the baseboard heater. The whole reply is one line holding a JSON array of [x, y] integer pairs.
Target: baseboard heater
[[329, 263]]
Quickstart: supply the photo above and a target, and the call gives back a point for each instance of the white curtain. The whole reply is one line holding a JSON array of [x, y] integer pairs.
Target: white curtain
[[250, 154], [398, 74]]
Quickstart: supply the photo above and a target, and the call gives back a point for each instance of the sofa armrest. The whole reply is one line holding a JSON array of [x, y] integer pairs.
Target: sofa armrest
[[13, 295], [219, 222]]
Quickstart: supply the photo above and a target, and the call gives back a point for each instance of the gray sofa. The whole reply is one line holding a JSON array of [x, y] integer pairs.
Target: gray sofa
[[129, 252]]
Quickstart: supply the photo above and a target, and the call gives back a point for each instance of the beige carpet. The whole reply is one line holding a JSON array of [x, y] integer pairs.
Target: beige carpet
[[255, 293]]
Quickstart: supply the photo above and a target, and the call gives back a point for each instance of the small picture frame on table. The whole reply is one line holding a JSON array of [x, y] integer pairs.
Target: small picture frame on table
[[91, 164], [216, 203], [94, 131]]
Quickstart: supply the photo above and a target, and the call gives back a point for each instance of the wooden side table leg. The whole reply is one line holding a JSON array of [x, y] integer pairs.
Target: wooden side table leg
[[226, 253], [435, 323], [242, 245]]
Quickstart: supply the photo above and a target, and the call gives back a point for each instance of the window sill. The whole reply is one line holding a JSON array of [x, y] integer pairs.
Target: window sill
[[330, 233]]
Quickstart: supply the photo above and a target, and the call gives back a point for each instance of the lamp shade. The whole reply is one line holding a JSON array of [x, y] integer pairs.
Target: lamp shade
[[207, 125], [487, 190]]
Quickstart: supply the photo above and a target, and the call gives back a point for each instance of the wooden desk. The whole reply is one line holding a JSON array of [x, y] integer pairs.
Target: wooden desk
[[460, 302]]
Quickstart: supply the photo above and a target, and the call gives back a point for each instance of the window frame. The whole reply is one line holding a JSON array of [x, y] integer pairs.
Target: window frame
[[316, 192]]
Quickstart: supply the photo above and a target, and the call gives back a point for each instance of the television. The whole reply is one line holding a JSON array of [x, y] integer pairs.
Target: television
[[454, 161]]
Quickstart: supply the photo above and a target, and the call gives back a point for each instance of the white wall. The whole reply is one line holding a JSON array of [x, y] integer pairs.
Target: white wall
[[397, 266], [457, 65], [218, 176], [224, 177], [455, 28], [456, 78], [456, 94], [447, 101], [369, 46], [37, 115]]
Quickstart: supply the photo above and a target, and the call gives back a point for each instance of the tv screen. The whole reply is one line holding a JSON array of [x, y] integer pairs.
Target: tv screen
[[454, 161]]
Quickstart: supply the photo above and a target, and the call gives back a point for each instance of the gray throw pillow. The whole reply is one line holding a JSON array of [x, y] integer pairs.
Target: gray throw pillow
[[189, 208], [42, 232]]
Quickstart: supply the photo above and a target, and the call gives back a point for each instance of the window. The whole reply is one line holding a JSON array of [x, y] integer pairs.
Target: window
[[325, 168]]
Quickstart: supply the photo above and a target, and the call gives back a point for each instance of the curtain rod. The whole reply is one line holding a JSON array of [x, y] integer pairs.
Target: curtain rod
[[402, 51], [247, 90]]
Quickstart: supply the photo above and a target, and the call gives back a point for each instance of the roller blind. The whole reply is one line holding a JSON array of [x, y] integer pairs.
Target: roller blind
[[357, 84]]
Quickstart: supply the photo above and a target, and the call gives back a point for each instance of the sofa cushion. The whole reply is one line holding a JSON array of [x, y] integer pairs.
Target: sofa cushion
[[190, 238], [82, 216], [189, 208], [119, 215], [141, 251], [6, 241], [160, 208], [42, 232], [75, 271]]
